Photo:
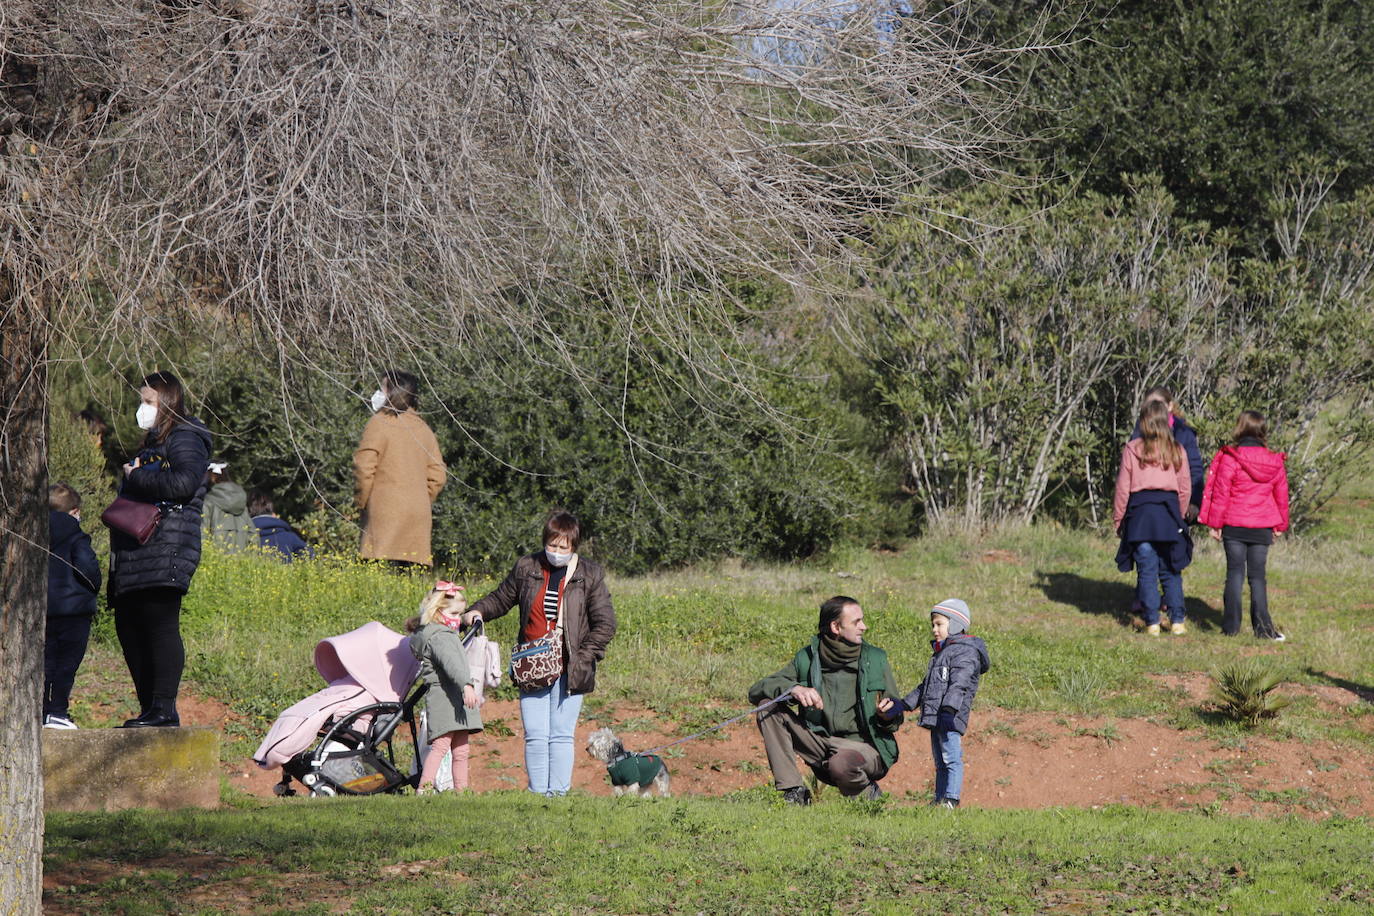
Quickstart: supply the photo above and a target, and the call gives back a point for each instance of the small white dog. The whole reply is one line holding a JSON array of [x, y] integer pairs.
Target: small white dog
[[639, 774]]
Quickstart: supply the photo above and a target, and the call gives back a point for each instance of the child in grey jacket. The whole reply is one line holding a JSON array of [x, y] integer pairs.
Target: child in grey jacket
[[452, 701], [946, 695]]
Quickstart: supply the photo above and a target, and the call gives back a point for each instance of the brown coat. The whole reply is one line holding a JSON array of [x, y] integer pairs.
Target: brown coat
[[588, 618], [398, 471]]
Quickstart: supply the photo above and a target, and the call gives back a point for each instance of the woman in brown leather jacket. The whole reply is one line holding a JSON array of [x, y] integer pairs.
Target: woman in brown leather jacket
[[551, 587]]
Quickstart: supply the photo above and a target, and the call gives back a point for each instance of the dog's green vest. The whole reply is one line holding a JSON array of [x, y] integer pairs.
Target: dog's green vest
[[636, 768]]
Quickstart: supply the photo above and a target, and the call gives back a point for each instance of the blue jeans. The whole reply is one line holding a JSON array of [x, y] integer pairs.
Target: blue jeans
[[550, 718], [1150, 575], [947, 749]]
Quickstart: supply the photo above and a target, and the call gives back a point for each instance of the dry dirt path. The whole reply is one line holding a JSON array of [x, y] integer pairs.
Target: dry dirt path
[[1013, 760]]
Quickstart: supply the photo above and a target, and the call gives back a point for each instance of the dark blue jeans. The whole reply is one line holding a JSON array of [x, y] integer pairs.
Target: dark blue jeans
[[64, 646], [1150, 575]]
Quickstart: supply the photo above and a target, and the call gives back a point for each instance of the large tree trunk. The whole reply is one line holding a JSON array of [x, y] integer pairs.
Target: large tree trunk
[[23, 551]]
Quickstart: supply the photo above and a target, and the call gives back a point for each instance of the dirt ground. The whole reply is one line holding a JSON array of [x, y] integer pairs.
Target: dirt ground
[[1012, 760]]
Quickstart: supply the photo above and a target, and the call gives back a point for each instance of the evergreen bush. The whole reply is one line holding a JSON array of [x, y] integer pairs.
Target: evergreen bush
[[1242, 692]]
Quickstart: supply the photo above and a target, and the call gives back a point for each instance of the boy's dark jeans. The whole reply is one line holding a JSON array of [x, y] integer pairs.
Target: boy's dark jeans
[[64, 647], [1246, 561]]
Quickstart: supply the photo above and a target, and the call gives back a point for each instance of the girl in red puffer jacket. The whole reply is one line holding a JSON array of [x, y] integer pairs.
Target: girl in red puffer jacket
[[1246, 505]]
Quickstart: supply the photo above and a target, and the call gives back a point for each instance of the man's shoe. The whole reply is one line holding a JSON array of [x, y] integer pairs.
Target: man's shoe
[[1178, 629], [797, 795], [51, 721], [945, 803], [871, 793], [1153, 629]]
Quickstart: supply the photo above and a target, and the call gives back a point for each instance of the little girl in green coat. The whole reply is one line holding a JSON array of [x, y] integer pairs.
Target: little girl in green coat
[[452, 698]]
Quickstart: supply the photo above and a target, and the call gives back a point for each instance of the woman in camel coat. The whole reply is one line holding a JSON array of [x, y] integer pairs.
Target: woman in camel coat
[[398, 471]]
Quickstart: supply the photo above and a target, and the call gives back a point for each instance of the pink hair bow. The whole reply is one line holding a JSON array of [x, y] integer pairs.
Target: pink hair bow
[[448, 588]]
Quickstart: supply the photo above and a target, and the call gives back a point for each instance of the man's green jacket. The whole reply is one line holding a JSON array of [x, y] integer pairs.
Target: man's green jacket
[[874, 680]]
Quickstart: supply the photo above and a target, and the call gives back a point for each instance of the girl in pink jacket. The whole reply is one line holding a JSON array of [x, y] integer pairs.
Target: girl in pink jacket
[[1245, 504], [1153, 486]]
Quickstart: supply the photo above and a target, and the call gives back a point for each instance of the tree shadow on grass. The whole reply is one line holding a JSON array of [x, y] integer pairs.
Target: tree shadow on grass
[[1113, 598]]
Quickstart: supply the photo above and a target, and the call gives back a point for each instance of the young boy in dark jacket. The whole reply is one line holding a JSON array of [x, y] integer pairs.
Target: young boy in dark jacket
[[73, 581], [945, 697]]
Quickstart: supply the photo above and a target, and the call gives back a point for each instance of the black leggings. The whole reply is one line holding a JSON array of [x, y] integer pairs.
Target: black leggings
[[1246, 561], [148, 624]]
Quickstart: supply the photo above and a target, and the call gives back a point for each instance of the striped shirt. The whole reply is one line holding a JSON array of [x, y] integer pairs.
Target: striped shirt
[[544, 610], [551, 595]]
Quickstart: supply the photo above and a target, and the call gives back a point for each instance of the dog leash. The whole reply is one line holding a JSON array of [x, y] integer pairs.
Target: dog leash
[[715, 728]]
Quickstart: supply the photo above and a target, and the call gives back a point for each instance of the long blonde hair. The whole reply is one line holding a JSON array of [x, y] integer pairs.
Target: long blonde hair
[[448, 597], [1158, 445]]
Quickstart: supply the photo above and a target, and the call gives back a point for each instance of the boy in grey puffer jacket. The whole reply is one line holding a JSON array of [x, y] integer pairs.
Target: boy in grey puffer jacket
[[946, 695]]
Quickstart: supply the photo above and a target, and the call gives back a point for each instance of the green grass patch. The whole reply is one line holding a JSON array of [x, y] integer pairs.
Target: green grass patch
[[512, 852], [1049, 602]]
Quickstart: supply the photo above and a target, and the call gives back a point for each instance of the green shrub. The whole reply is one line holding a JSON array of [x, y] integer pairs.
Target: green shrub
[[75, 458], [1242, 689], [664, 463]]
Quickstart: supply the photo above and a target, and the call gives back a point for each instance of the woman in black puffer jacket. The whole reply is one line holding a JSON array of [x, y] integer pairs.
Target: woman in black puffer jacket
[[147, 581]]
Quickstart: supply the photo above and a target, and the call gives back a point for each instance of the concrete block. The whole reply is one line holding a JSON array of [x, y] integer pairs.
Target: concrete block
[[109, 769]]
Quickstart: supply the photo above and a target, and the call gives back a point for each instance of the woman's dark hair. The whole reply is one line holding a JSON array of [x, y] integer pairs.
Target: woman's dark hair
[[95, 423], [402, 391], [831, 611], [1251, 425], [171, 404], [259, 503], [562, 522]]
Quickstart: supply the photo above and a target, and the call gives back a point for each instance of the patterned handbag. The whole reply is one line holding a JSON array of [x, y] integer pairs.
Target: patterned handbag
[[538, 663]]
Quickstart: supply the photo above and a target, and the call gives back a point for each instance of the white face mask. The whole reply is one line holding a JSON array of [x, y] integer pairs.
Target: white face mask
[[557, 559], [378, 400], [146, 416]]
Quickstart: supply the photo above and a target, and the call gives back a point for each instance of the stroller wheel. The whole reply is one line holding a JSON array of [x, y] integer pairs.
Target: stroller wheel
[[323, 791], [282, 789]]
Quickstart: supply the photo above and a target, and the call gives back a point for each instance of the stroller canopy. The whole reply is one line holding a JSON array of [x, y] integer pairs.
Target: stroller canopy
[[376, 657]]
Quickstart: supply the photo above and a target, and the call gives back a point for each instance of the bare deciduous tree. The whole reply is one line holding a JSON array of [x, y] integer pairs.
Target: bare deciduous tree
[[378, 176]]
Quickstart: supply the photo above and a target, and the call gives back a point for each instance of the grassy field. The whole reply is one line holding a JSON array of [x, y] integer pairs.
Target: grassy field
[[513, 853], [1049, 602]]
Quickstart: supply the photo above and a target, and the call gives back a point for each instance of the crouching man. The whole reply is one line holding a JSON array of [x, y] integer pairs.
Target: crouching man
[[835, 681]]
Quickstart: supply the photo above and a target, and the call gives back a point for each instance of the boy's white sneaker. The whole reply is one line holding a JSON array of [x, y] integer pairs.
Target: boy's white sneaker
[[1153, 629], [1178, 629], [58, 722]]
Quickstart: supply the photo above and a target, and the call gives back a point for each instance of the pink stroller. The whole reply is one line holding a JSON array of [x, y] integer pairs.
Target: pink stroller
[[338, 741]]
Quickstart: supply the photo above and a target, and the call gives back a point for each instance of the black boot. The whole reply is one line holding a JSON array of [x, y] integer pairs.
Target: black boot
[[163, 714], [797, 795], [137, 720]]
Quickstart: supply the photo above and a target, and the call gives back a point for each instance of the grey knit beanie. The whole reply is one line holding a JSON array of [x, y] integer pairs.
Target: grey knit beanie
[[957, 612]]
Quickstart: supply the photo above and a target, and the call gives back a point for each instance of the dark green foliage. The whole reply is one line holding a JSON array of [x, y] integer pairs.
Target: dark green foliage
[[662, 468], [1219, 97], [1241, 690], [75, 458]]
